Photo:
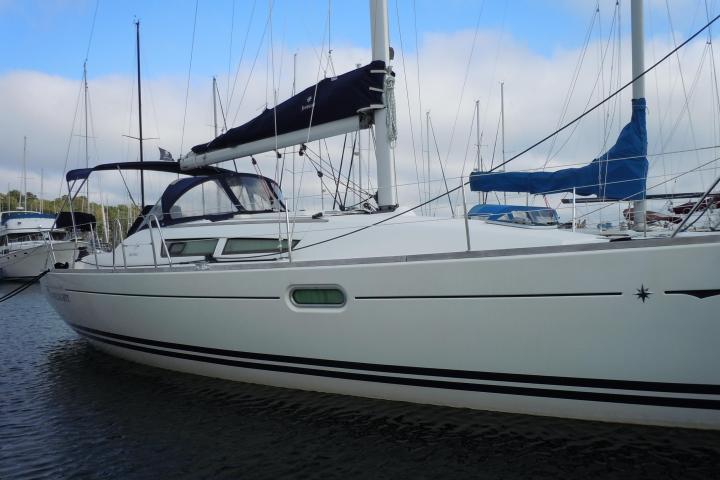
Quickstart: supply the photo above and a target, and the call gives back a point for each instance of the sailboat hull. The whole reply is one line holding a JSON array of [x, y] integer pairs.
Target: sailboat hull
[[624, 333]]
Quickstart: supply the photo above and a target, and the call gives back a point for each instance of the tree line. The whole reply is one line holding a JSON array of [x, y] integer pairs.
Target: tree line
[[126, 214]]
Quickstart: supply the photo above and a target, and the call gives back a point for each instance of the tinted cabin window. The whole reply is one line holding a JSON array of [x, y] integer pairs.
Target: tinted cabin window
[[191, 248], [239, 246], [318, 297]]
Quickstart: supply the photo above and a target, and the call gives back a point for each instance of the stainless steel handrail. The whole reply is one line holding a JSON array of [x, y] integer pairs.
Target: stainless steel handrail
[[122, 242], [94, 246], [465, 214], [150, 217], [49, 243], [695, 208]]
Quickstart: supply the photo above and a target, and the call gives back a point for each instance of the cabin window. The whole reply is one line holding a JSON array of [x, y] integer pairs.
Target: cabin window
[[200, 247], [208, 198], [318, 296], [239, 246]]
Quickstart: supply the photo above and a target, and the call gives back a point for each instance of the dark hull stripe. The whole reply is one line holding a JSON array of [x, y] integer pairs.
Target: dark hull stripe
[[171, 296], [695, 293], [693, 403], [521, 295], [693, 388]]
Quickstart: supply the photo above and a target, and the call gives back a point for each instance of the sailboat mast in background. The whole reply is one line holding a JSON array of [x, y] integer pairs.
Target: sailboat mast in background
[[140, 132], [215, 106], [87, 155], [24, 173]]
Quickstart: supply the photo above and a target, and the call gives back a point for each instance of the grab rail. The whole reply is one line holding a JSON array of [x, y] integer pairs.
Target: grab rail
[[117, 229], [465, 215], [150, 217], [94, 247]]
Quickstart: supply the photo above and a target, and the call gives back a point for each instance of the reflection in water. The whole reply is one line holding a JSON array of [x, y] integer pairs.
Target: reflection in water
[[73, 412]]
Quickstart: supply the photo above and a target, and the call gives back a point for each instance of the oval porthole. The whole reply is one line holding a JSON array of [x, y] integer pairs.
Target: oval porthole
[[317, 296]]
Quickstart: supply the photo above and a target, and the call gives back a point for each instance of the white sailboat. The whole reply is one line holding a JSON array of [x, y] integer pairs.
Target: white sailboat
[[220, 279]]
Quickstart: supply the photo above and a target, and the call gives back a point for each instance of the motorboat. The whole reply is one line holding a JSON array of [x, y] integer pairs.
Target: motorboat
[[30, 244]]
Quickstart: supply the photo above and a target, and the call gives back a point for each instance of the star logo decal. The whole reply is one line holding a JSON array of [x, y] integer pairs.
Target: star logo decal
[[643, 293]]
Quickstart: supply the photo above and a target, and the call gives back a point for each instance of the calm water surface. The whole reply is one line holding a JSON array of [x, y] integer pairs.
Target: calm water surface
[[67, 411]]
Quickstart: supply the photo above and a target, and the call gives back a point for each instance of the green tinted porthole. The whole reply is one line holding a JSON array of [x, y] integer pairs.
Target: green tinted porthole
[[318, 297]]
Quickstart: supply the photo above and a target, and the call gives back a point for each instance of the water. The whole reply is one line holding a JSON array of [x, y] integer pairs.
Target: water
[[67, 411]]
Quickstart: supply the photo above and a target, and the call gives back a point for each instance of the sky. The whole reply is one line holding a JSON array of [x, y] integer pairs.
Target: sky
[[464, 49]]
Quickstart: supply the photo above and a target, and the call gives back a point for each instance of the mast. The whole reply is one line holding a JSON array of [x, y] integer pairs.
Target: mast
[[87, 155], [478, 167], [294, 194], [385, 162], [502, 125], [140, 137], [427, 150], [24, 173], [358, 140], [215, 106], [638, 88], [42, 191]]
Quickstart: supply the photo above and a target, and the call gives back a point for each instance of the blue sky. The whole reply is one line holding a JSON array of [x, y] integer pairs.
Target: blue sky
[[531, 45], [52, 35]]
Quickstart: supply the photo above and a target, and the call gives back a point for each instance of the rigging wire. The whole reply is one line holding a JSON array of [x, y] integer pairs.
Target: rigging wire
[[442, 170], [610, 97], [92, 30], [576, 119], [187, 88], [252, 68], [464, 84], [242, 55], [714, 79], [407, 95], [420, 107], [682, 82], [77, 102], [230, 48], [574, 79]]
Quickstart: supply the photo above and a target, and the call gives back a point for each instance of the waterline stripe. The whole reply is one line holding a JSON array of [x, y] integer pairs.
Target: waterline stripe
[[692, 388], [695, 403]]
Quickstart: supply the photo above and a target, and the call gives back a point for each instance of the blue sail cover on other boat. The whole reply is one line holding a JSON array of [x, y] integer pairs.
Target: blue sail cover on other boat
[[619, 174], [331, 99]]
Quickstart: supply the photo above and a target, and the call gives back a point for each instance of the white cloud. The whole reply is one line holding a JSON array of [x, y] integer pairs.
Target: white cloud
[[42, 107]]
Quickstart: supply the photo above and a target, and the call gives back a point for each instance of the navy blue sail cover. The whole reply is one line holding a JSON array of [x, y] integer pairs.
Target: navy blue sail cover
[[336, 98], [619, 174]]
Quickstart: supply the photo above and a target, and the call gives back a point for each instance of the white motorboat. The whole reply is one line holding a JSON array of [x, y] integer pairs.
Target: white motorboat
[[29, 244], [219, 279]]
